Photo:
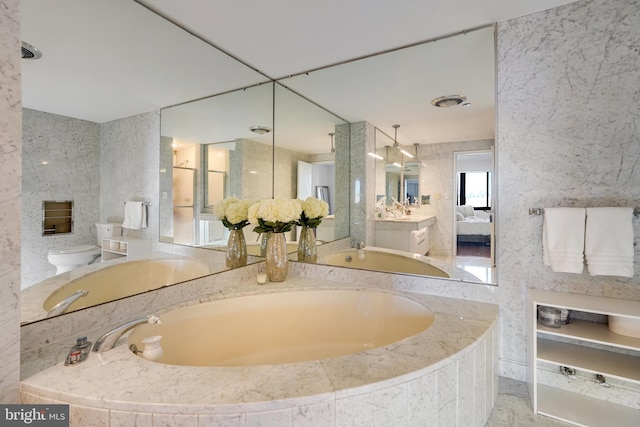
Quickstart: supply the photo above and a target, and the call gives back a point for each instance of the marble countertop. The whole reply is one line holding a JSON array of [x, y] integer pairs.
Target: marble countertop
[[119, 380], [408, 218]]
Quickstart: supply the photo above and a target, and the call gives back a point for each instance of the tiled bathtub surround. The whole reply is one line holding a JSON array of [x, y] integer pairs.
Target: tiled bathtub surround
[[445, 376]]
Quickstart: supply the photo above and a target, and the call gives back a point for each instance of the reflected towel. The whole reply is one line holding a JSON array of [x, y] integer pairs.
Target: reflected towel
[[135, 215], [563, 239], [609, 242]]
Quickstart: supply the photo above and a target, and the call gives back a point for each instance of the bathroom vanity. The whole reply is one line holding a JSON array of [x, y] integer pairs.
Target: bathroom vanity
[[409, 233]]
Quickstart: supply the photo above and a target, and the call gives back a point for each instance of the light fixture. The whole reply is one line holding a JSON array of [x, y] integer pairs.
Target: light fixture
[[396, 145], [260, 130], [333, 150], [30, 52], [448, 101], [377, 156]]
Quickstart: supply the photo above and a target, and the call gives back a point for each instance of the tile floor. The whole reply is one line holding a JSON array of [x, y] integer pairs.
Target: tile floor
[[513, 408]]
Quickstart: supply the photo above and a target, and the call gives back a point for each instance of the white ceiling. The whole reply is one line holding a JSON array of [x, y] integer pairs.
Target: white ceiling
[[108, 59]]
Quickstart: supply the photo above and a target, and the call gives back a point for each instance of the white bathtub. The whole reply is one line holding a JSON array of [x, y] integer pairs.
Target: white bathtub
[[443, 375], [125, 279], [384, 260], [287, 327]]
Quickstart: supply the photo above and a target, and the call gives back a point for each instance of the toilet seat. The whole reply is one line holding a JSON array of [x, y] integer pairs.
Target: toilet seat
[[75, 250]]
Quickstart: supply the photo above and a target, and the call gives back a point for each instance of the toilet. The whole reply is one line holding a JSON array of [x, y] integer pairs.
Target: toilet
[[67, 259]]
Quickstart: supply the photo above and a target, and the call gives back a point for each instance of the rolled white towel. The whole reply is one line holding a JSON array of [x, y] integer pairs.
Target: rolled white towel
[[563, 239], [609, 242]]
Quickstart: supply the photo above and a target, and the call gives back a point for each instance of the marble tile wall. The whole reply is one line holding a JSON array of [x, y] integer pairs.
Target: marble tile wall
[[569, 135], [72, 149], [362, 191], [342, 159], [10, 185], [129, 168]]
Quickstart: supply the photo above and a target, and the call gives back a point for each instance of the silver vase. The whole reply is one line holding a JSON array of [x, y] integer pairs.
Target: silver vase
[[236, 255], [276, 261]]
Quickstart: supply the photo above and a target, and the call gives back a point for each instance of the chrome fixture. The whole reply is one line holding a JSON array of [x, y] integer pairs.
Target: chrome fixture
[[260, 130], [360, 245], [30, 52], [108, 340], [449, 101], [398, 146], [568, 372], [62, 306], [78, 352], [333, 150], [602, 381]]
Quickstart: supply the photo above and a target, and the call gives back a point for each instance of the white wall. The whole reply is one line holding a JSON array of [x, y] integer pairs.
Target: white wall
[[568, 135]]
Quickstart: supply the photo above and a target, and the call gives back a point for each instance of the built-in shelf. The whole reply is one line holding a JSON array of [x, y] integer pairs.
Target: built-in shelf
[[118, 247], [616, 356], [584, 410]]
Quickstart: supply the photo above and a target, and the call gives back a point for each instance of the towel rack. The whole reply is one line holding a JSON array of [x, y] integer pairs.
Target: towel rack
[[144, 203], [540, 211]]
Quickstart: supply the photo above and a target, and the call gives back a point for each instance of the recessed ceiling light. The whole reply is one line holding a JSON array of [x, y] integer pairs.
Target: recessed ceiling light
[[260, 130], [448, 101]]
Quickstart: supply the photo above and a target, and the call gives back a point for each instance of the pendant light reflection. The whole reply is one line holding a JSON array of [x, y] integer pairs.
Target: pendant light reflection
[[398, 146]]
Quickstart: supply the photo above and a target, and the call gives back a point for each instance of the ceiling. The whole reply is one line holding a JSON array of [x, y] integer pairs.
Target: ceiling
[[108, 59]]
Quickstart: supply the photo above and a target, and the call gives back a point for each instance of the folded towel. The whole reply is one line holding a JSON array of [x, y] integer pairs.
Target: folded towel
[[609, 242], [563, 239], [135, 215]]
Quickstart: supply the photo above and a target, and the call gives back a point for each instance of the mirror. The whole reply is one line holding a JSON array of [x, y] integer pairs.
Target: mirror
[[397, 87], [91, 115]]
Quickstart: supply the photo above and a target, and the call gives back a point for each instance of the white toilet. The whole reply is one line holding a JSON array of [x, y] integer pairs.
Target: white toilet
[[77, 256]]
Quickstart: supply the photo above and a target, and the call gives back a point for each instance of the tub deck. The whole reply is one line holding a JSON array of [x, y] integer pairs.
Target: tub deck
[[457, 352]]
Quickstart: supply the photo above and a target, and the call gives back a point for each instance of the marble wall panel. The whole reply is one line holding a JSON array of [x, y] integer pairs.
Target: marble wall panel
[[10, 177], [72, 149], [568, 127]]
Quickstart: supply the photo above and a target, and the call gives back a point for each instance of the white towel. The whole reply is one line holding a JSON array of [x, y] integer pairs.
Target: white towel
[[609, 242], [135, 215], [563, 239]]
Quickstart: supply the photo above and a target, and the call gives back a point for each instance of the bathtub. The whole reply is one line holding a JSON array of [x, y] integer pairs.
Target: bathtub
[[280, 328], [384, 260], [125, 279], [442, 373]]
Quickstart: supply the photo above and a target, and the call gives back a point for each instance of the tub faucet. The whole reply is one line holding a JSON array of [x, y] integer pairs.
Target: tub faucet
[[62, 306], [360, 245], [109, 340]]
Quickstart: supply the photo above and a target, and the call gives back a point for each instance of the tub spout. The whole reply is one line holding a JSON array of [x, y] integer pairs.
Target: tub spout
[[108, 340], [62, 306], [360, 245]]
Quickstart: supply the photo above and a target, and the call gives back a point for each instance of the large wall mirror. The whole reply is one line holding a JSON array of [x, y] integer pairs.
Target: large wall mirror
[[397, 88], [90, 116]]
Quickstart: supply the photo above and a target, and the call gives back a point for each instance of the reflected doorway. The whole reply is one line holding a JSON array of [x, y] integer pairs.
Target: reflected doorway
[[473, 216]]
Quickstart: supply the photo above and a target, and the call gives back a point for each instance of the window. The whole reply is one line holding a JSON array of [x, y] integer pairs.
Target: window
[[475, 189]]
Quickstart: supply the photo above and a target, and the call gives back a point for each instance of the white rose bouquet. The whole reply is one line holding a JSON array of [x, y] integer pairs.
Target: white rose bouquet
[[233, 212], [274, 215], [313, 210]]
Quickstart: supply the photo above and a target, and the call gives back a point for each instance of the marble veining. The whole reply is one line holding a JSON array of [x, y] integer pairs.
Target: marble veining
[[561, 144], [387, 380]]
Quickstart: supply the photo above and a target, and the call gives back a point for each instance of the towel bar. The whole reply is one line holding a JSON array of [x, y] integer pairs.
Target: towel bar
[[144, 203], [540, 211]]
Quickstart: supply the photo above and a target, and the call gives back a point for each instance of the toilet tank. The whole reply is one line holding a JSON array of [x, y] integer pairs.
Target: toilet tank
[[107, 230]]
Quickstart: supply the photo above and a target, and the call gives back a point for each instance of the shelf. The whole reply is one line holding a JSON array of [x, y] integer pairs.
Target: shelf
[[593, 304], [584, 410], [589, 359], [592, 332]]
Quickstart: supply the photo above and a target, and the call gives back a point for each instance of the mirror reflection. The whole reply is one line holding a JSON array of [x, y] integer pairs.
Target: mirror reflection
[[90, 136], [414, 190]]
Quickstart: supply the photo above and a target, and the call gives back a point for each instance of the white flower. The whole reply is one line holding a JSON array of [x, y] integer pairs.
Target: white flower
[[276, 215], [232, 211], [315, 208]]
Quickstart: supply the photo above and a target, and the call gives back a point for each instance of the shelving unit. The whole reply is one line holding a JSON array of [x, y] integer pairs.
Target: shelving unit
[[118, 247], [612, 355]]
